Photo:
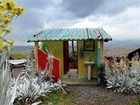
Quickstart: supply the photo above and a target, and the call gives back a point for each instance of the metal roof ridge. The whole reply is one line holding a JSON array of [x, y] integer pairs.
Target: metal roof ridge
[[88, 35]]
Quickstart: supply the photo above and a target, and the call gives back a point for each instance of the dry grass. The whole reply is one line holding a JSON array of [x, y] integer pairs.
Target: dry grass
[[19, 55]]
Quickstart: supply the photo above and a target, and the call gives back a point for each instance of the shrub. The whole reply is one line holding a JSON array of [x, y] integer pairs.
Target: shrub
[[31, 86], [101, 74], [7, 89], [124, 79]]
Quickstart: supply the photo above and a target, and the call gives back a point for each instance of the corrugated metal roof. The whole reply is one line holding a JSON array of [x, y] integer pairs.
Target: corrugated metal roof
[[70, 34]]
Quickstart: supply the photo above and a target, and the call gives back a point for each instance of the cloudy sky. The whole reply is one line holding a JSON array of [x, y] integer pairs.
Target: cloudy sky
[[119, 18]]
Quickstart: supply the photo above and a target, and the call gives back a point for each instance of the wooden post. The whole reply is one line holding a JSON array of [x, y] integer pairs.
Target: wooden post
[[36, 55]]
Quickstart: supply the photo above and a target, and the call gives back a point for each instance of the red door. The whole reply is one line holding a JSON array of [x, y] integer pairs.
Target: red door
[[66, 56]]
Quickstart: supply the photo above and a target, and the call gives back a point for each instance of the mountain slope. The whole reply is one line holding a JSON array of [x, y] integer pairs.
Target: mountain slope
[[123, 44]]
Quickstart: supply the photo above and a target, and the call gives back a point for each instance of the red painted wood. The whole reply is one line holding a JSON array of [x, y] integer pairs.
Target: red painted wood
[[42, 60], [43, 63], [55, 72]]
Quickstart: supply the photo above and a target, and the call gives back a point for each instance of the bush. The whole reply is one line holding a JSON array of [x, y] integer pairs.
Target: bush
[[101, 74], [30, 87], [124, 80]]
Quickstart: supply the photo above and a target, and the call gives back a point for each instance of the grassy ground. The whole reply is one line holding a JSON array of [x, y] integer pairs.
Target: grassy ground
[[58, 98], [19, 55], [136, 102]]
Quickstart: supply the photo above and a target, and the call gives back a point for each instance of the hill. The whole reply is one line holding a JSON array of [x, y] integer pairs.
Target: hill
[[26, 49], [123, 44], [109, 45]]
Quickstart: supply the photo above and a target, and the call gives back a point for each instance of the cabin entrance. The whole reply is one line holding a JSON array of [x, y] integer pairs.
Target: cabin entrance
[[70, 58]]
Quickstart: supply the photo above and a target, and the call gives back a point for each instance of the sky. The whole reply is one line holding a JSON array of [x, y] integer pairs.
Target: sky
[[119, 18]]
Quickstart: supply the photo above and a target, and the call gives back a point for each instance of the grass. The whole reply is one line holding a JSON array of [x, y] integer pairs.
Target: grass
[[58, 98], [19, 55], [136, 102]]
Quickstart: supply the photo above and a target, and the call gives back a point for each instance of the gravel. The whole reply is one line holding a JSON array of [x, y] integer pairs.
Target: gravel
[[99, 95]]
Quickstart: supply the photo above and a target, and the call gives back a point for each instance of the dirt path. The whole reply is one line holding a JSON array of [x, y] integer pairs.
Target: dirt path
[[97, 95]]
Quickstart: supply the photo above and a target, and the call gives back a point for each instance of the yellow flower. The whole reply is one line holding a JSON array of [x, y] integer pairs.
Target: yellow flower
[[8, 30], [1, 14], [12, 42], [10, 4], [4, 6], [8, 10], [7, 19], [1, 6], [19, 10], [3, 25], [7, 47]]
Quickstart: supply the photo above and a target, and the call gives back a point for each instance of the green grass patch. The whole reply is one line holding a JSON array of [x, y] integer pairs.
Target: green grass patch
[[136, 102], [58, 98]]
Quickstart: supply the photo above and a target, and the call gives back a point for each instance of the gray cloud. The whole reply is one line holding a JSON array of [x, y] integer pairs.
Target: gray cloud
[[31, 19], [82, 8], [114, 7], [63, 13]]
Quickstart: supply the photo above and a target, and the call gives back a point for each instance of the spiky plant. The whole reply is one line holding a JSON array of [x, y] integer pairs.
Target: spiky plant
[[7, 91], [58, 86], [28, 89], [124, 80], [30, 86]]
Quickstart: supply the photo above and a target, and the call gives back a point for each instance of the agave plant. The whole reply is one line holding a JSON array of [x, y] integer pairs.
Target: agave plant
[[31, 86], [29, 90], [124, 80], [58, 86], [7, 91]]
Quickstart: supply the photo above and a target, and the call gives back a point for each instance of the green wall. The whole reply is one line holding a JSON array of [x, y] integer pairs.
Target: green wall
[[57, 48]]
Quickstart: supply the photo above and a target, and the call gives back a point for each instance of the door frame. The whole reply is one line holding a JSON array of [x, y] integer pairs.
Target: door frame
[[66, 56]]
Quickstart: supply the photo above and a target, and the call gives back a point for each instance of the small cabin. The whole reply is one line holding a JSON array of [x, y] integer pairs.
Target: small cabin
[[79, 50], [135, 52]]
